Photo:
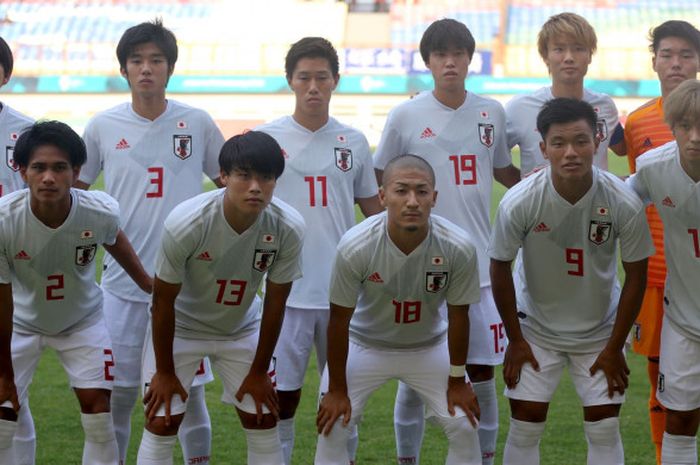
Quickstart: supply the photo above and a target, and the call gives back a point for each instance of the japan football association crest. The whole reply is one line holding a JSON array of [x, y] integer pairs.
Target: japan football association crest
[[182, 146], [10, 158], [599, 232], [486, 134], [435, 281], [84, 254], [343, 159], [601, 130], [263, 259]]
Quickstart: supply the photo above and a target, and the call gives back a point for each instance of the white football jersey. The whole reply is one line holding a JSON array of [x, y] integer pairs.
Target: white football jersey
[[149, 167], [52, 271], [221, 270], [324, 172], [397, 297], [566, 275], [12, 123], [661, 180], [463, 146], [521, 123]]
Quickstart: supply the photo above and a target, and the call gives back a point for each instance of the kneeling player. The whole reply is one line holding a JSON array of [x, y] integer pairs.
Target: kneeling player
[[216, 249], [48, 237], [396, 269], [566, 307], [669, 176]]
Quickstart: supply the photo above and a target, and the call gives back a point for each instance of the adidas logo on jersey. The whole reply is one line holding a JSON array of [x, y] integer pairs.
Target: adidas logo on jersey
[[647, 143], [204, 256], [375, 278], [123, 144], [427, 132], [667, 202], [22, 255], [542, 227]]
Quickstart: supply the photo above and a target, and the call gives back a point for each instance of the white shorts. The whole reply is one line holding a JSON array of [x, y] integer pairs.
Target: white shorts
[[86, 356], [127, 322], [424, 370], [487, 337], [302, 330], [539, 386], [230, 359], [679, 370]]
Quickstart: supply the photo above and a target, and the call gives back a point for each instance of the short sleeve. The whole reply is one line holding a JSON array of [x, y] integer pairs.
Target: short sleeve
[[5, 271], [512, 134], [637, 183], [214, 142], [287, 265], [171, 261], [463, 287], [93, 165], [501, 154], [365, 183], [635, 240], [506, 236], [112, 223], [345, 283], [390, 145]]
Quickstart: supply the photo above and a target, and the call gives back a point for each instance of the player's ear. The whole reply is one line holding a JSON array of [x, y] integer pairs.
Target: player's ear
[[435, 193], [382, 197], [23, 173], [223, 177], [543, 149], [336, 80]]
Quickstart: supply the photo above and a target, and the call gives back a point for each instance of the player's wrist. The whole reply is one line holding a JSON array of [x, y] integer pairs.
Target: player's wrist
[[458, 371]]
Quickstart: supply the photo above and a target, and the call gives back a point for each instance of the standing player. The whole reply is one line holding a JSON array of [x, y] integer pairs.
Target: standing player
[[676, 49], [328, 169], [216, 249], [566, 308], [392, 273], [153, 152], [49, 236], [566, 43], [462, 136], [669, 177]]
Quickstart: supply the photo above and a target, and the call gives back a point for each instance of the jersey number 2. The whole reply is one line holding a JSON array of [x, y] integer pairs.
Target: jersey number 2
[[54, 287]]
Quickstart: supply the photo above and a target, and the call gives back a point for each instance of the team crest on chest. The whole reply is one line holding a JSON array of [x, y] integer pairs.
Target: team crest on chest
[[486, 134], [601, 130], [182, 146], [84, 254], [599, 231], [10, 158], [343, 158], [263, 259], [435, 281]]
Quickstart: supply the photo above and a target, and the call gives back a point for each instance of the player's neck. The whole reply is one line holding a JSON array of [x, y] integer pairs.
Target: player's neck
[[407, 241], [572, 190], [312, 122], [452, 98], [239, 221], [52, 214], [567, 90], [691, 168], [149, 106]]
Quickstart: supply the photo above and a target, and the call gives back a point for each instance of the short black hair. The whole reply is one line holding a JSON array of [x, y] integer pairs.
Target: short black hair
[[252, 151], [409, 160], [54, 133], [444, 34], [311, 47], [6, 60], [148, 32], [565, 110], [674, 28]]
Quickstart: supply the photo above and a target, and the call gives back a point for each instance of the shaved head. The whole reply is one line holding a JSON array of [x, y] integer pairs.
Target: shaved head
[[408, 161]]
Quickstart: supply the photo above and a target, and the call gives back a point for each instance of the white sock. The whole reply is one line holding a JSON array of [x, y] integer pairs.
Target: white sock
[[155, 450], [679, 450], [604, 442], [100, 444], [409, 424], [523, 443], [264, 447], [332, 449], [122, 403], [463, 441], [195, 430], [25, 437], [353, 439], [7, 433], [286, 431], [488, 423]]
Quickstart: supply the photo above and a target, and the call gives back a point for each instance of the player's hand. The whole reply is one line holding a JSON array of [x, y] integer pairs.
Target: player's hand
[[615, 369], [460, 394], [333, 405], [8, 392], [518, 353], [161, 391], [259, 386]]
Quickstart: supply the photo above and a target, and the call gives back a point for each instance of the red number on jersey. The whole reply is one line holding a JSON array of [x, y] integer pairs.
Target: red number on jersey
[[156, 180], [696, 242], [52, 289], [0, 190], [407, 311], [109, 363], [498, 337], [465, 169], [201, 370], [312, 190], [575, 257], [236, 290]]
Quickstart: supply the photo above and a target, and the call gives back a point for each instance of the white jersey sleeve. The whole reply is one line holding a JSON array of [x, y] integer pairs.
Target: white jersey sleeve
[[12, 123]]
